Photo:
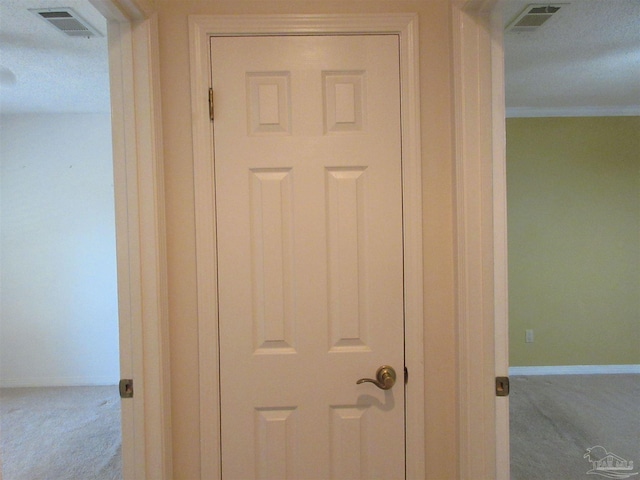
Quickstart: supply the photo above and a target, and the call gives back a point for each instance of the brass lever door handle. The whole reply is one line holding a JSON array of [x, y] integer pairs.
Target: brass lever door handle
[[385, 378]]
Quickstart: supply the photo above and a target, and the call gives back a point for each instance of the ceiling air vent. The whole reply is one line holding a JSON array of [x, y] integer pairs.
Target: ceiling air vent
[[67, 21], [533, 17]]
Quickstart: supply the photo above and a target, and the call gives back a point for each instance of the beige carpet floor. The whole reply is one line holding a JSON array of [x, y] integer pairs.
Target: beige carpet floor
[[556, 418], [60, 433]]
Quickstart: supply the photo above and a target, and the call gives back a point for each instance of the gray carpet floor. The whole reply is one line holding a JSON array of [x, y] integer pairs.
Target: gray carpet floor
[[555, 419], [60, 433], [73, 433]]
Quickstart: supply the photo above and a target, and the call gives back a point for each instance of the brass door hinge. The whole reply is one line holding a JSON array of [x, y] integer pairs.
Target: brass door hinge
[[502, 386], [211, 104]]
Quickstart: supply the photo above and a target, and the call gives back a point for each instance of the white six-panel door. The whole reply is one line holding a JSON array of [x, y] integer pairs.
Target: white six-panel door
[[308, 189]]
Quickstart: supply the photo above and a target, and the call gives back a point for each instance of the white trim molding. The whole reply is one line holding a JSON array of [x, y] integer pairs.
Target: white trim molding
[[574, 370], [500, 244], [533, 112], [57, 382], [481, 256], [140, 236], [405, 26]]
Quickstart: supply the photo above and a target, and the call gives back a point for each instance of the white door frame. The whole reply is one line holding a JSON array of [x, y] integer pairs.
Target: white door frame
[[139, 202], [201, 27], [482, 312]]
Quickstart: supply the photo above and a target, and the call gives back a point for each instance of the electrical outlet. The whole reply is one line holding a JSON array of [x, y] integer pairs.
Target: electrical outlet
[[528, 336]]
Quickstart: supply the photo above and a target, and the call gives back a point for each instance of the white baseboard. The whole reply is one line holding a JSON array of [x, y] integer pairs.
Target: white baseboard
[[532, 112], [574, 370], [58, 382]]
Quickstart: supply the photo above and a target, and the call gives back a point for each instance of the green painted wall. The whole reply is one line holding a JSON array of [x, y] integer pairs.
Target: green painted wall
[[574, 240]]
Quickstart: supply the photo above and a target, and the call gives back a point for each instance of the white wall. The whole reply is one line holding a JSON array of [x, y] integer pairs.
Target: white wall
[[58, 323]]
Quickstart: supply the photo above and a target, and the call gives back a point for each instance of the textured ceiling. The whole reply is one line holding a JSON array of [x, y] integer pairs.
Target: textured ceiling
[[52, 72], [584, 60]]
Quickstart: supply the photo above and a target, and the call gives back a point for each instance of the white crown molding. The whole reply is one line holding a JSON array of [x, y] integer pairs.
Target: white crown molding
[[532, 112], [574, 370]]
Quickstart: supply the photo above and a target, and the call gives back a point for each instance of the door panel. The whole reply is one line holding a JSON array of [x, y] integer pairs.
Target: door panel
[[310, 266]]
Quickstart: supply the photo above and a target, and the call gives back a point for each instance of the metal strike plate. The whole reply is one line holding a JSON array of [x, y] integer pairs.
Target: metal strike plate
[[502, 386], [126, 388]]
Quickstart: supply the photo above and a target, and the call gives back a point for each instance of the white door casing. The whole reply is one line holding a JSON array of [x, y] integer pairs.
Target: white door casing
[[309, 222], [481, 237], [345, 83], [139, 204]]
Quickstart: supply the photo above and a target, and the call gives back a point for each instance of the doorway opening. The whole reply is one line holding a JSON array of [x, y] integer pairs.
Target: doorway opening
[[59, 327], [574, 272]]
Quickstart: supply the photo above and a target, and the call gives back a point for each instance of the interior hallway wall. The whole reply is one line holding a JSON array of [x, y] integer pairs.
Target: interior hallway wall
[[59, 310]]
